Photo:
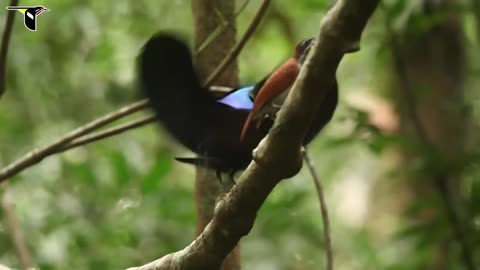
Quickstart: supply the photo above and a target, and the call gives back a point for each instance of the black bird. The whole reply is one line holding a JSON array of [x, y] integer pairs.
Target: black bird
[[208, 126]]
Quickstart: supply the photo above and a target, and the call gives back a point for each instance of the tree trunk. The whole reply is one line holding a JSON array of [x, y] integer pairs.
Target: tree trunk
[[210, 16], [429, 86]]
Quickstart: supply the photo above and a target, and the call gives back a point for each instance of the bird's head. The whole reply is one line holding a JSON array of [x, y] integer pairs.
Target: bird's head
[[302, 49], [39, 9]]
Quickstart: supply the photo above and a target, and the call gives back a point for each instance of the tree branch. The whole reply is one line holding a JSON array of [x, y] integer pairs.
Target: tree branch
[[100, 135], [323, 209], [274, 159], [39, 154], [239, 46], [7, 32], [75, 138], [219, 30]]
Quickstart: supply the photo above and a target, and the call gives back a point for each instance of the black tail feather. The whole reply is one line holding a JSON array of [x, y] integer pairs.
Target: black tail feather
[[186, 109], [168, 80]]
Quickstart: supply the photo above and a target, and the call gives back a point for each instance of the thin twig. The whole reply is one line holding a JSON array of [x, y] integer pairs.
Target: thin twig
[[39, 154], [211, 37], [107, 133], [220, 90], [242, 8], [323, 209], [7, 32], [16, 233], [104, 134], [235, 51], [219, 30]]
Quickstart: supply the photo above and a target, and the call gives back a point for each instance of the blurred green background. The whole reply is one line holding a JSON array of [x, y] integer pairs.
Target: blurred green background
[[123, 201]]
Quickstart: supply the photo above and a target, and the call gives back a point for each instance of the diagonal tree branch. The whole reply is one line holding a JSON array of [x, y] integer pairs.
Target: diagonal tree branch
[[274, 159], [219, 30], [93, 137], [235, 51], [39, 154], [80, 138]]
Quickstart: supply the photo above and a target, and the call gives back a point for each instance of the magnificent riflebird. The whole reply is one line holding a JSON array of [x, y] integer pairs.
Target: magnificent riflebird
[[274, 90], [211, 127]]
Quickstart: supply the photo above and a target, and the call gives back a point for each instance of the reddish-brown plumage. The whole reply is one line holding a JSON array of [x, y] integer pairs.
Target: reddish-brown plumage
[[280, 80]]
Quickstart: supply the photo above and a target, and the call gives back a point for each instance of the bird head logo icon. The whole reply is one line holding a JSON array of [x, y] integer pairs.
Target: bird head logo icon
[[30, 14]]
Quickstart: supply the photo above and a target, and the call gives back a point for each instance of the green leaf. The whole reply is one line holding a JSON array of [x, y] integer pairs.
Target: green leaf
[[120, 167], [156, 173]]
